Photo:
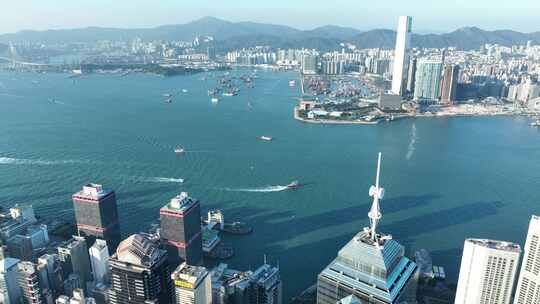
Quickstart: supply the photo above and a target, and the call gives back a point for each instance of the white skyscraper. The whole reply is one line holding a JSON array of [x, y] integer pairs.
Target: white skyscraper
[[401, 54], [99, 258], [528, 288], [192, 285], [487, 273]]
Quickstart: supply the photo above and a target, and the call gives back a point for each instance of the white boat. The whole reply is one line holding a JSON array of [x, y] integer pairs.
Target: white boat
[[179, 150], [292, 83], [267, 138], [293, 185], [215, 100], [536, 123], [184, 90]]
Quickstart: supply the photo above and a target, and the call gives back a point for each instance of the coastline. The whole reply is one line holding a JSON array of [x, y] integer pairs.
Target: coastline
[[332, 122]]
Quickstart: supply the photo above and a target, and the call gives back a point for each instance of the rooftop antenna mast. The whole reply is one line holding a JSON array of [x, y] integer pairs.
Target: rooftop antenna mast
[[377, 193]]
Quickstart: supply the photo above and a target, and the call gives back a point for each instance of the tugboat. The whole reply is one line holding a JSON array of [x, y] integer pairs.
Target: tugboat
[[179, 150], [293, 185]]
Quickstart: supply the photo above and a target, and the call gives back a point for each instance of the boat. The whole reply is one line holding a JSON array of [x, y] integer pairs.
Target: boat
[[292, 83], [179, 150], [167, 95], [168, 100], [184, 90], [293, 185], [266, 138], [215, 100], [535, 123], [229, 94]]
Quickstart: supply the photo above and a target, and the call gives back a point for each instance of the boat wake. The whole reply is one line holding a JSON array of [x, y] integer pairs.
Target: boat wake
[[21, 161], [163, 180], [260, 189], [412, 143]]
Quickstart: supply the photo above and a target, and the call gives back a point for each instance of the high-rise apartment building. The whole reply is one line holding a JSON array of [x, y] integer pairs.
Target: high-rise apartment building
[[192, 285], [449, 84], [487, 273], [180, 222], [139, 273], [401, 54], [428, 81], [528, 286], [97, 215], [372, 266], [29, 283]]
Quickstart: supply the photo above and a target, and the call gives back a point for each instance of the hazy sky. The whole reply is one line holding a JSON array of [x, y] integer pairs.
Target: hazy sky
[[429, 15]]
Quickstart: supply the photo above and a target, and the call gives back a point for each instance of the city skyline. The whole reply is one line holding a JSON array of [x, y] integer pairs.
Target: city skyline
[[430, 17]]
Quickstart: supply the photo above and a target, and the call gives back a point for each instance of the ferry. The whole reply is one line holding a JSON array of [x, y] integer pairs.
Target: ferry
[[293, 185], [215, 100], [266, 138], [179, 150]]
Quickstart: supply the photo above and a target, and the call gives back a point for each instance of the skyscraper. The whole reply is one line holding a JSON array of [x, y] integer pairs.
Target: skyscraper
[[9, 289], [411, 76], [192, 285], [372, 266], [97, 215], [139, 273], [401, 54], [74, 257], [449, 84], [29, 283], [265, 285], [487, 273], [180, 222], [428, 81], [99, 259], [528, 286]]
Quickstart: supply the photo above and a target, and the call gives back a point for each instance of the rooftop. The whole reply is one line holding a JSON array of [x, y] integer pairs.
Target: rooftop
[[93, 191], [181, 202], [189, 274], [138, 250], [494, 244]]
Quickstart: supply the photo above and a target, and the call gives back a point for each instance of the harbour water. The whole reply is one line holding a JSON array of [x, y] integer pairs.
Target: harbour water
[[446, 179]]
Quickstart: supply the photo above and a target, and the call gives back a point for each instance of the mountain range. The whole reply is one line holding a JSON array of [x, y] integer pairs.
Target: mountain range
[[232, 35]]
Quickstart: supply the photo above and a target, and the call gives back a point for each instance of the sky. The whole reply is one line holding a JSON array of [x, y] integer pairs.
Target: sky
[[429, 16]]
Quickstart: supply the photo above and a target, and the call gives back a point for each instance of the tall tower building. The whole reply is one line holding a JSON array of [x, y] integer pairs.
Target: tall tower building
[[265, 285], [372, 266], [487, 273], [401, 54], [139, 273], [99, 259], [180, 222], [428, 80], [192, 285], [411, 76], [29, 283], [74, 257], [9, 289], [528, 286], [97, 215], [449, 84]]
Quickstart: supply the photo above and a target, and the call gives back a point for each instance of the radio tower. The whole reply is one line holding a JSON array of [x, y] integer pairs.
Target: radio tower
[[377, 193]]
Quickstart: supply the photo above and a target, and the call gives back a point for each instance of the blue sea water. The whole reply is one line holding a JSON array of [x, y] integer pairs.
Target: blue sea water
[[446, 179]]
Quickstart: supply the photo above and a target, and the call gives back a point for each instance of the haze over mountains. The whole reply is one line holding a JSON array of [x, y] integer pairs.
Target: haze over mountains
[[233, 35]]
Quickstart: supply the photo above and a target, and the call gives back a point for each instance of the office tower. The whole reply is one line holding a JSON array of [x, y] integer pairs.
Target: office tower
[[265, 285], [372, 266], [428, 80], [139, 273], [51, 275], [72, 282], [97, 215], [180, 222], [449, 84], [528, 286], [401, 54], [9, 288], [28, 280], [20, 247], [487, 273], [192, 285], [99, 259], [411, 76], [74, 257]]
